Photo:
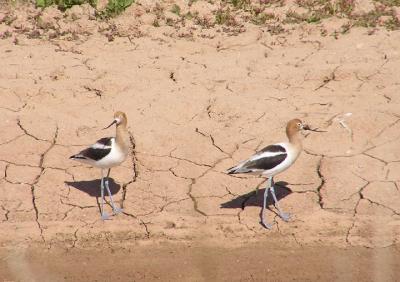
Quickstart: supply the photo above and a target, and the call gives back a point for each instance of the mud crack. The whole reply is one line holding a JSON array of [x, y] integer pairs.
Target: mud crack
[[321, 185], [361, 197], [328, 79], [141, 222], [135, 172], [211, 139], [36, 180], [29, 134], [97, 92]]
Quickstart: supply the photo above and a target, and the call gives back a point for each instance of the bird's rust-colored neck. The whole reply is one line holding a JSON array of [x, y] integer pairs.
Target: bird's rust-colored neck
[[122, 136], [294, 136]]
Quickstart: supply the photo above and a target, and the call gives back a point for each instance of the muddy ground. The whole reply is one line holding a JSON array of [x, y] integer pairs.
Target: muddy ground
[[199, 97], [190, 262]]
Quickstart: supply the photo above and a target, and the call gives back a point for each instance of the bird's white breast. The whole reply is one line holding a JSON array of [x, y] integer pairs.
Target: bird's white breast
[[114, 158]]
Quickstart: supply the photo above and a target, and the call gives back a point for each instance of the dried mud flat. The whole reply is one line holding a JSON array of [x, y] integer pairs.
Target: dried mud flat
[[196, 105]]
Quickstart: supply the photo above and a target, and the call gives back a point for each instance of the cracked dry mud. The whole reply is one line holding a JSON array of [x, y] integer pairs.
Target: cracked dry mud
[[196, 108]]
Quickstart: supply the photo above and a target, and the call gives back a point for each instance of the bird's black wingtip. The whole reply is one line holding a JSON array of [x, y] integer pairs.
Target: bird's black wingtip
[[232, 170], [75, 157]]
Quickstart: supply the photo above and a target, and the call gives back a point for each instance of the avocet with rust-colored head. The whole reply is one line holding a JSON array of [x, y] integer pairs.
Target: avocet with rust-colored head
[[106, 153], [274, 159]]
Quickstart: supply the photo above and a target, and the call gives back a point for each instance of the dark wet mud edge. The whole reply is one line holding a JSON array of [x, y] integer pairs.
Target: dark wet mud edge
[[190, 262]]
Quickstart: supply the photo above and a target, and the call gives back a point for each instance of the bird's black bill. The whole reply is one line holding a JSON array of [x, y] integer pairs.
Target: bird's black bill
[[317, 130], [114, 121], [313, 129], [307, 127]]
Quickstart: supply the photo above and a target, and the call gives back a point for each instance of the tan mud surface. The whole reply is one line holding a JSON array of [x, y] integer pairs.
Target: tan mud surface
[[196, 106]]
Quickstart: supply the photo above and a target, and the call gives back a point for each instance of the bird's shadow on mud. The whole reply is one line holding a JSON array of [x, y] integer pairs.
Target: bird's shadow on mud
[[92, 187], [256, 199]]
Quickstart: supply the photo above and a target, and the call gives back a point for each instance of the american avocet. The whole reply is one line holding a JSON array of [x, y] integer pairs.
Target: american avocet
[[106, 153], [272, 160]]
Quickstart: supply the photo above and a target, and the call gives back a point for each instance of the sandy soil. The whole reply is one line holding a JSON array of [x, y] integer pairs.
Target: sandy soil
[[198, 101]]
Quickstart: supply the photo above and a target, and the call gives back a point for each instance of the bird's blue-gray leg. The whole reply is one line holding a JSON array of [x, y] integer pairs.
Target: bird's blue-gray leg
[[115, 209], [265, 224], [283, 215], [104, 215]]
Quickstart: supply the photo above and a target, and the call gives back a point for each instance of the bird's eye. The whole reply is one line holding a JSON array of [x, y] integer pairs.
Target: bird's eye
[[299, 124]]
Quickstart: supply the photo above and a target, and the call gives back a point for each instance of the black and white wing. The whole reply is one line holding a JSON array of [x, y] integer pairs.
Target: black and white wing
[[266, 159], [97, 151]]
